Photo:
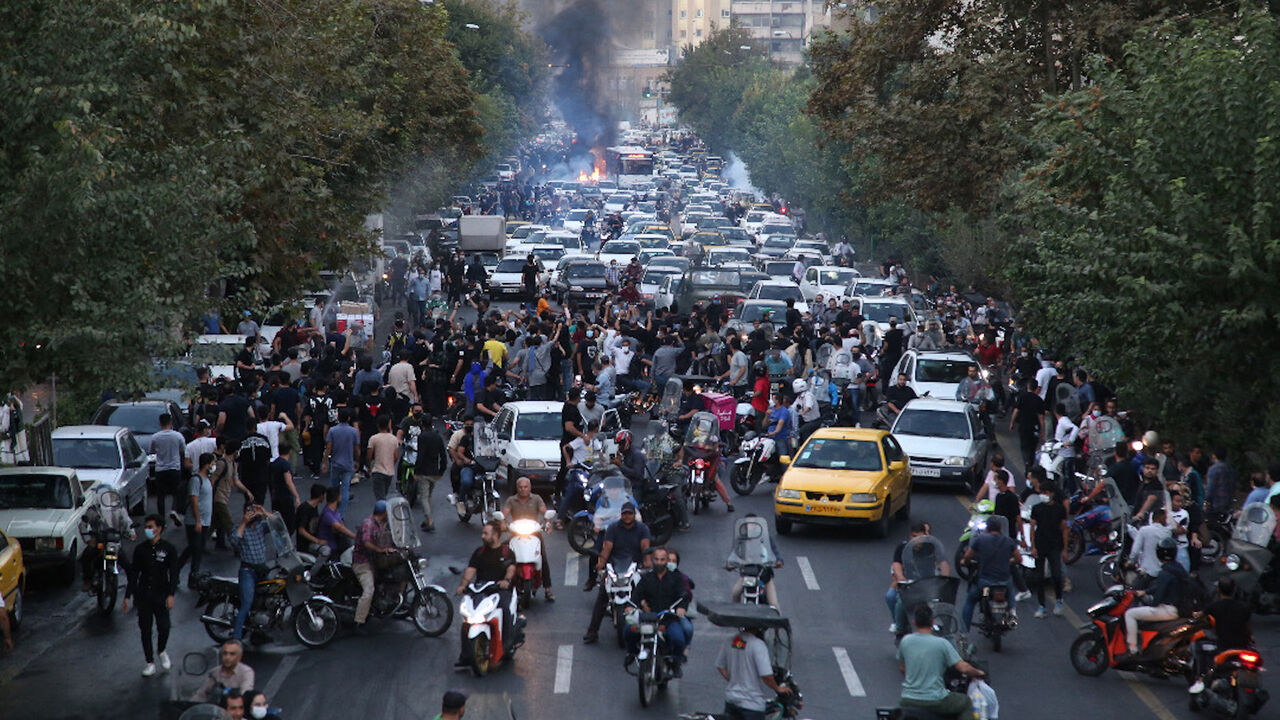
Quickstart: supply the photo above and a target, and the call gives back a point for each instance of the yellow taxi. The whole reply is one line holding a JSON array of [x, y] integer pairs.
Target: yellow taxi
[[845, 476], [512, 225], [13, 578]]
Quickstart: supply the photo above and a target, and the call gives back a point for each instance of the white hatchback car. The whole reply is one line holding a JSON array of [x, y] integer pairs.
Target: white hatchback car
[[778, 290], [936, 373]]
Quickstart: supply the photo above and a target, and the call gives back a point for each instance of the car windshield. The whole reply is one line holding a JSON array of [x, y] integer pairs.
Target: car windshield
[[214, 353], [652, 241], [868, 289], [715, 277], [539, 426], [548, 254], [510, 265], [768, 229], [87, 453], [840, 454], [144, 419], [779, 241], [576, 214], [653, 277], [34, 491], [677, 263], [757, 311], [621, 247], [932, 423], [943, 371], [836, 277], [755, 216], [881, 312], [779, 292], [779, 268], [579, 271]]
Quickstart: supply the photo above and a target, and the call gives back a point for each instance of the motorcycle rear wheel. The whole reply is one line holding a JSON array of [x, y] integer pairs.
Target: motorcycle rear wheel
[[1075, 546], [480, 655], [525, 596], [432, 612], [662, 531], [224, 609], [646, 677], [107, 588], [743, 481], [582, 535], [315, 624], [1089, 655]]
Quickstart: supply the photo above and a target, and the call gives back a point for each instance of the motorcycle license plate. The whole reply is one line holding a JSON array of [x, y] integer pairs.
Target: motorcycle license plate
[[822, 508], [926, 471], [647, 629]]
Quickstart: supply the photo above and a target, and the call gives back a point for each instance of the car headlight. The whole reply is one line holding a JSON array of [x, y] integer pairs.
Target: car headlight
[[45, 544], [789, 494], [863, 498], [1232, 562], [956, 460], [532, 464]]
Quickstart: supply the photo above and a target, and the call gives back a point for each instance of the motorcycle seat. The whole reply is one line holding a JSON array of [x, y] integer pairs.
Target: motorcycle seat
[[1160, 625]]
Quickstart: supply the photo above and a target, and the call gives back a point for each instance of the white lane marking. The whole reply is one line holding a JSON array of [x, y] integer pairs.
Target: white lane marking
[[278, 677], [806, 571], [571, 563], [564, 669], [851, 680]]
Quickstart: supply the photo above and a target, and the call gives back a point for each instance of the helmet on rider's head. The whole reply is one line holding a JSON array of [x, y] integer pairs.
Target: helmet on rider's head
[[799, 385], [758, 367], [1167, 550], [622, 438]]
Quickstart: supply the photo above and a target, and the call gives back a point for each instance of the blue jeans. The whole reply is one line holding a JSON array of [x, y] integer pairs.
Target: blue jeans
[[975, 592], [248, 580], [891, 599], [341, 477], [675, 634], [466, 478], [855, 397]]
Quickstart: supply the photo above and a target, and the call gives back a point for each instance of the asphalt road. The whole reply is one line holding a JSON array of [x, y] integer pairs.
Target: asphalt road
[[72, 664]]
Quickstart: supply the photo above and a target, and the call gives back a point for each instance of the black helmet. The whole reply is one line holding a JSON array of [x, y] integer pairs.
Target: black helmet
[[758, 367], [1167, 550]]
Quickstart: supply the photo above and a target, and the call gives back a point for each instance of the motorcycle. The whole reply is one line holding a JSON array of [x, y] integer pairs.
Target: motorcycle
[[754, 558], [1049, 457], [702, 458], [283, 594], [923, 559], [106, 525], [758, 452], [994, 618], [618, 588], [604, 500], [977, 524], [654, 665], [1165, 644], [1231, 687], [526, 546], [486, 644], [401, 590], [483, 500], [1247, 558], [405, 481], [1104, 526]]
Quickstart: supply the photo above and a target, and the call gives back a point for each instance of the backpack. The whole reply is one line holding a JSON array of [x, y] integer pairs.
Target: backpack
[[396, 342]]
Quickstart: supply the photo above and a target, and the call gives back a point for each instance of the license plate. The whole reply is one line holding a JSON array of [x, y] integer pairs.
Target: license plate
[[926, 472], [593, 295], [822, 508]]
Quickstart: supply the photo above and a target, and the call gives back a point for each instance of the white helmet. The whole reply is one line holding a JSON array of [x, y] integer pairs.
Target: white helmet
[[799, 385]]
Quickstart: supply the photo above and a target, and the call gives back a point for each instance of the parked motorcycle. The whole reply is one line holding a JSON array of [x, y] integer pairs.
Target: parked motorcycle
[[284, 593], [1165, 645], [526, 546], [486, 642], [401, 590], [1231, 687], [758, 453], [104, 526]]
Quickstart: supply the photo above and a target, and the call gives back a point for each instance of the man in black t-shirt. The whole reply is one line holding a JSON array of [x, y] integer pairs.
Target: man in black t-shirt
[[1231, 628], [491, 562], [1028, 421], [1049, 543], [252, 462]]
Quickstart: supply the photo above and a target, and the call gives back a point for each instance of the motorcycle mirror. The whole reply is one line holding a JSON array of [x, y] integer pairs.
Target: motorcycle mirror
[[195, 664], [499, 516], [551, 515]]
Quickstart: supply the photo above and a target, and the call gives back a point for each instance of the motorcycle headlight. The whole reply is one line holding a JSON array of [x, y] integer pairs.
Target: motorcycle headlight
[[956, 460], [789, 494], [863, 497], [532, 464], [1232, 562]]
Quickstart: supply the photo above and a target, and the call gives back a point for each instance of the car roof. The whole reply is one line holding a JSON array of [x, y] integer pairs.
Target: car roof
[[954, 406], [778, 283], [38, 470], [886, 300], [846, 433], [94, 432], [535, 406], [146, 401], [943, 355]]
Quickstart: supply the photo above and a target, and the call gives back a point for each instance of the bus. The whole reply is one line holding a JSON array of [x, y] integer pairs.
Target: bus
[[628, 164]]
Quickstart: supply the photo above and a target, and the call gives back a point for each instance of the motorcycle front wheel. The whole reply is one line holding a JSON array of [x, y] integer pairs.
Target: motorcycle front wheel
[[107, 587], [647, 678], [582, 535], [432, 612], [221, 609], [1089, 655], [743, 481], [1075, 546], [315, 623], [1109, 573]]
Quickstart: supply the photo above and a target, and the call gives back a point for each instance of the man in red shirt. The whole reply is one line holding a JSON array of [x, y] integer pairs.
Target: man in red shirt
[[760, 395]]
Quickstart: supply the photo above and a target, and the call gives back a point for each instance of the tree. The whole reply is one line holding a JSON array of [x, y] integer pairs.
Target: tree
[[1149, 228], [708, 84]]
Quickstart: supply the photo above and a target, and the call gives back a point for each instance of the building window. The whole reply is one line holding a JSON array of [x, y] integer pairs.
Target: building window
[[682, 14], [699, 13], [699, 33], [683, 34], [724, 13]]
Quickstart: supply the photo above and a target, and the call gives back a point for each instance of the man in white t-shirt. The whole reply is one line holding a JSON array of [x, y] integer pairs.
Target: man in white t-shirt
[[272, 429], [1043, 376], [202, 443]]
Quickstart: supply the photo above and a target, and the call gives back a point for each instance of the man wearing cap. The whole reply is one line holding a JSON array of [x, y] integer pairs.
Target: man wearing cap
[[625, 541], [372, 541], [453, 707]]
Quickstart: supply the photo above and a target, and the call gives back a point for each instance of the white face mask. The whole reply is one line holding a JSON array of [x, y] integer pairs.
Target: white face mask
[[258, 711]]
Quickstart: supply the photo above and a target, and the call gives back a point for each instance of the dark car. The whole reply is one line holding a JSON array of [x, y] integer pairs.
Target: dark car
[[142, 417], [703, 284], [581, 282]]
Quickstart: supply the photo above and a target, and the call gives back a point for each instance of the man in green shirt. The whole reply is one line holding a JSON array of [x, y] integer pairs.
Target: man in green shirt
[[923, 658], [453, 707]]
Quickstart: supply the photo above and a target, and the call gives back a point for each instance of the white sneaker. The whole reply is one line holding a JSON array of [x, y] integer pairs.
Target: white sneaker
[[149, 670], [1023, 596], [893, 628], [462, 508], [1057, 608], [1040, 613], [1196, 688], [164, 661]]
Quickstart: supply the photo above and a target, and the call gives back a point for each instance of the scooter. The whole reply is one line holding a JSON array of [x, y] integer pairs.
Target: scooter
[[485, 643], [1231, 687], [1247, 559], [758, 452], [1165, 648], [526, 546]]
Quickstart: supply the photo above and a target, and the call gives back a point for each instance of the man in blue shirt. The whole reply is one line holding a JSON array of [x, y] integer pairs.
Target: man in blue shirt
[[250, 542], [340, 453], [780, 425]]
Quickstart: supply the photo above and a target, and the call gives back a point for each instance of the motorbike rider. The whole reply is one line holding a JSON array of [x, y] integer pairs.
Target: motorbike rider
[[745, 663], [899, 394], [633, 464], [1163, 599], [373, 542], [995, 553], [624, 542], [491, 562], [923, 658], [943, 568], [805, 407], [231, 674], [976, 391], [250, 541], [773, 561], [657, 591], [1146, 546], [524, 505], [1231, 628], [708, 449]]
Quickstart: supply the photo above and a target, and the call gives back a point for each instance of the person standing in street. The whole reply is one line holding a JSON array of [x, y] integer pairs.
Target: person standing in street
[[285, 497], [382, 454], [253, 462], [199, 516], [430, 464], [339, 456], [744, 662], [153, 580], [170, 448], [250, 541]]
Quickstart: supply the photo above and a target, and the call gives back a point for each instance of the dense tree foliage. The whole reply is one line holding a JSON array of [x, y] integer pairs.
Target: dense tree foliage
[[1149, 228]]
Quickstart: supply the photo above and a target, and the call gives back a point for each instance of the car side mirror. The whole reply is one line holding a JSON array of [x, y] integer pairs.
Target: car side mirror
[[134, 463], [785, 459]]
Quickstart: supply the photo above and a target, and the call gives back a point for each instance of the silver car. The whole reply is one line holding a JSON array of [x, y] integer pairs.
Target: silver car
[[945, 441]]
